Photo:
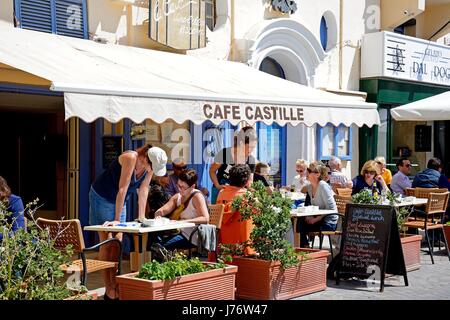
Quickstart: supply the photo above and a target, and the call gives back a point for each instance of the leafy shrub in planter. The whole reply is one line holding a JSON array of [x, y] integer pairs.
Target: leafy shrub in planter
[[271, 216], [176, 265], [29, 264]]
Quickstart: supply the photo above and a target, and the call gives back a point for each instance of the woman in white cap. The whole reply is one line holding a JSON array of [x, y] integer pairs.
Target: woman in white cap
[[132, 170]]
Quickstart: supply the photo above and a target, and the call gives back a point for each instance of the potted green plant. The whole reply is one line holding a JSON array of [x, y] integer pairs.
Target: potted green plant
[[178, 278], [410, 242], [277, 270], [29, 263]]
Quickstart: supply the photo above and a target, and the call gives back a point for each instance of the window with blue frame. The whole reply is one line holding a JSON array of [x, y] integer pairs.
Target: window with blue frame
[[323, 33], [334, 141], [63, 17]]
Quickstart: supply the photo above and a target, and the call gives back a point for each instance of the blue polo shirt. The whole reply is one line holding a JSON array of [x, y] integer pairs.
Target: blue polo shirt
[[15, 206]]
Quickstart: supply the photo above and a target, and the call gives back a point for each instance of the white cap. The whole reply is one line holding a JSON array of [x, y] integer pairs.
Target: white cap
[[158, 157]]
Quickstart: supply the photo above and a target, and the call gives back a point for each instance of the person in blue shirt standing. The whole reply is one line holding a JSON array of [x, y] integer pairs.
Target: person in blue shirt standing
[[14, 205], [132, 171], [431, 177]]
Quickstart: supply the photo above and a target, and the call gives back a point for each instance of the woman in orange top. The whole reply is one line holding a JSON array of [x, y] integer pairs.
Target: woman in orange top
[[386, 174], [233, 230]]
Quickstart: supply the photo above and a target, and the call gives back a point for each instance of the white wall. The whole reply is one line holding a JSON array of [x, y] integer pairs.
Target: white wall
[[7, 12]]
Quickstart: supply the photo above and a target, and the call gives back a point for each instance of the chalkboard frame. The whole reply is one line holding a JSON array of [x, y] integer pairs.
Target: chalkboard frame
[[392, 247], [117, 142]]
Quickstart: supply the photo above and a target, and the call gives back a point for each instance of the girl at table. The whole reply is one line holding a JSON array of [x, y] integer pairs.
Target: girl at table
[[233, 229], [193, 209], [131, 171], [319, 194]]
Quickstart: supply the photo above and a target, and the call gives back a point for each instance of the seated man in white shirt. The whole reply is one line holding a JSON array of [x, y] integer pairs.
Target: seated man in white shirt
[[337, 177], [400, 180], [299, 181]]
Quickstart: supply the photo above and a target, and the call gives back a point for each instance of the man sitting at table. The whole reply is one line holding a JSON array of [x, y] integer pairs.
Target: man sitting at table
[[400, 180], [320, 194], [431, 177], [337, 177]]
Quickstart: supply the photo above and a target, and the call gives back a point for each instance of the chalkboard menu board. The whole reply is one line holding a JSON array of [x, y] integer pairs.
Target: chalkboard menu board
[[370, 239], [112, 149]]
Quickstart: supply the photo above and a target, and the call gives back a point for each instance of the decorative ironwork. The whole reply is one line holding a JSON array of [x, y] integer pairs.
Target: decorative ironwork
[[285, 6]]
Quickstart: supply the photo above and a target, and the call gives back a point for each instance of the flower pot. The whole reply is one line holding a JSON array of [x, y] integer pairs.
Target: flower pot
[[266, 280], [217, 284], [411, 250], [447, 232]]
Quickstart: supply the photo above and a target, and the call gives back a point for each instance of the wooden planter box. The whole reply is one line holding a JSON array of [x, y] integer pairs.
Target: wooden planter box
[[265, 280], [215, 284], [411, 250], [447, 233]]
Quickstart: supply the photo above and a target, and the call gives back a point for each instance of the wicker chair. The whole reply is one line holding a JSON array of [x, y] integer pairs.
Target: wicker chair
[[346, 192], [410, 192], [434, 216], [68, 232], [424, 192], [341, 203], [215, 218]]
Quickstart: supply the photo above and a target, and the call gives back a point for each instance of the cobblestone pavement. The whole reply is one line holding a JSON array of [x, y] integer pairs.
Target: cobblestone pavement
[[430, 282]]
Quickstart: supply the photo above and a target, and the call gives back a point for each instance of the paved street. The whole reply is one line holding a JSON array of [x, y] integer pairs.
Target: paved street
[[430, 282]]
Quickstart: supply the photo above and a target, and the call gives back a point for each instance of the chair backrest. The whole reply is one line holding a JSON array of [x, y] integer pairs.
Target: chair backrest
[[423, 192], [216, 214], [437, 202], [346, 192], [64, 232], [337, 185], [441, 190], [410, 192], [341, 203]]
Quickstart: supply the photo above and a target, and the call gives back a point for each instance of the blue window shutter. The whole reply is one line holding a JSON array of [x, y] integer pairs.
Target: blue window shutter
[[71, 18], [64, 17], [35, 14]]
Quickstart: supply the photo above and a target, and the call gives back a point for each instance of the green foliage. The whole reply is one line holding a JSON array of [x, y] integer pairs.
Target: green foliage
[[176, 265], [29, 263], [271, 217], [365, 196]]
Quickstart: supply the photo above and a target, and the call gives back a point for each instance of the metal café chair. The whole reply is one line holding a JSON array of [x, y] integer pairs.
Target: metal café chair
[[68, 232], [215, 218], [433, 219], [341, 203]]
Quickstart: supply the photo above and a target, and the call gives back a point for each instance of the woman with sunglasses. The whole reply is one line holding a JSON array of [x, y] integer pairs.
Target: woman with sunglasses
[[369, 178], [195, 210], [319, 194]]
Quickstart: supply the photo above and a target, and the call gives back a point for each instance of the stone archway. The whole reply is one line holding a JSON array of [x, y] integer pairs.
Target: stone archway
[[291, 44]]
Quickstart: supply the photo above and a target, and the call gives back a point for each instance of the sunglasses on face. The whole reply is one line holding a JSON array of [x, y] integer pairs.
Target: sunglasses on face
[[407, 165], [370, 172], [180, 168], [310, 171]]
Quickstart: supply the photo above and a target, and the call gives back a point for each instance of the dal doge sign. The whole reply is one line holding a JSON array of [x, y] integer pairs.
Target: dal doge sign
[[179, 24]]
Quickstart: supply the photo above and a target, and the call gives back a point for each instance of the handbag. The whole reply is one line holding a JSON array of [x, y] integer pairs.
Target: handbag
[[175, 215]]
